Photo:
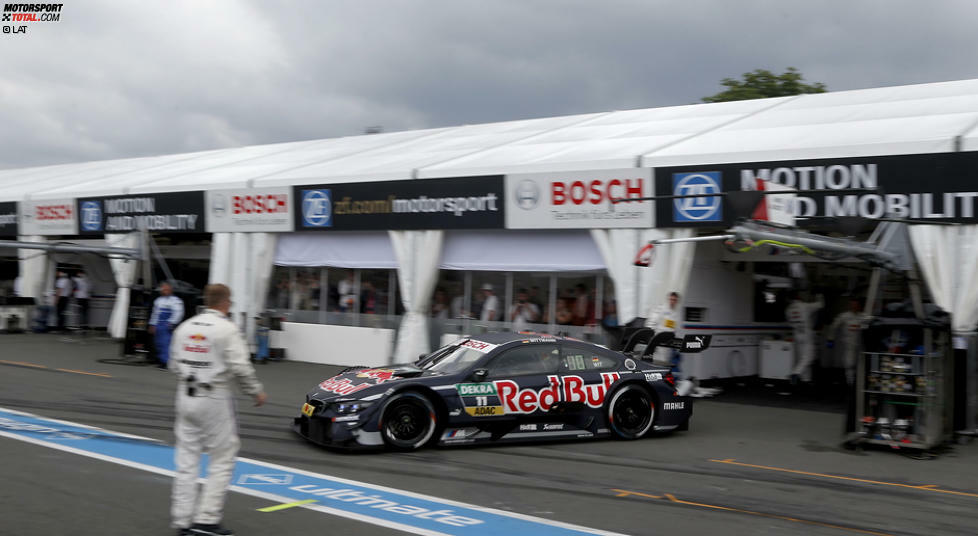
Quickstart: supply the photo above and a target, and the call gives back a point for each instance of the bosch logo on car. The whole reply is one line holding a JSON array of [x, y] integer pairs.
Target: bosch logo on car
[[595, 191], [697, 209], [91, 216], [317, 208]]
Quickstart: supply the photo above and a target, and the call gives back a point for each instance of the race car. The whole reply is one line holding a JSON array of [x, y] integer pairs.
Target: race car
[[501, 387]]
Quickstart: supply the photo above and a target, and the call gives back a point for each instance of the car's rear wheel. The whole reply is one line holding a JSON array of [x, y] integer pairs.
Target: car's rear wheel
[[409, 421], [631, 412]]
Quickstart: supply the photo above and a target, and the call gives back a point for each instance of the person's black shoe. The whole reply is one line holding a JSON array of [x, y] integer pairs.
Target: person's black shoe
[[206, 529], [795, 380]]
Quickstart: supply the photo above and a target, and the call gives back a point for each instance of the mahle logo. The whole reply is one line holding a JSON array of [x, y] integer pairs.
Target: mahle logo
[[476, 389]]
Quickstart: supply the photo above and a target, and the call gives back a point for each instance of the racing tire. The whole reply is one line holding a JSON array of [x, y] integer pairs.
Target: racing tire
[[408, 421], [631, 412]]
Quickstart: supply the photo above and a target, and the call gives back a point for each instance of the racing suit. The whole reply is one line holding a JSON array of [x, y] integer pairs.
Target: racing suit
[[801, 316], [167, 313], [208, 352], [852, 325], [666, 319]]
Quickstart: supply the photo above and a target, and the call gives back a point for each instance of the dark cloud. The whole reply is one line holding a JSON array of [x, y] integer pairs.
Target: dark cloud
[[119, 79]]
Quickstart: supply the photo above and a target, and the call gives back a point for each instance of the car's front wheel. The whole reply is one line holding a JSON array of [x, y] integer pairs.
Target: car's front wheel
[[631, 412], [408, 421]]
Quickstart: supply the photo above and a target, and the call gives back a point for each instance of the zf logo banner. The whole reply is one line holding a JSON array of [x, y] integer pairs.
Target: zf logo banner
[[704, 207], [317, 208]]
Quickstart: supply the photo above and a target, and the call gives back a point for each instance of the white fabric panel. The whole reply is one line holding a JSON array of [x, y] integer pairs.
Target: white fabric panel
[[124, 272], [262, 257], [32, 265], [521, 251], [948, 260], [670, 268], [418, 255], [240, 269], [220, 270], [618, 248], [368, 249]]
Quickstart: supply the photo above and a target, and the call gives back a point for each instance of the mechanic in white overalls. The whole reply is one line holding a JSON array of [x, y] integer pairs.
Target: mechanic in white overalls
[[208, 352], [801, 316], [852, 323], [666, 318]]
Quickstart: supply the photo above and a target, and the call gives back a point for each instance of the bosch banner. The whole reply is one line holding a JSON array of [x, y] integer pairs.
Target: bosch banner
[[8, 219], [49, 217], [455, 203], [926, 187], [179, 212], [263, 210], [579, 199]]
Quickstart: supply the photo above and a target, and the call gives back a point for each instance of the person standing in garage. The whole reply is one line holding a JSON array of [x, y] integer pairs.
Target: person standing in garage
[[666, 319], [208, 353], [167, 313], [801, 316]]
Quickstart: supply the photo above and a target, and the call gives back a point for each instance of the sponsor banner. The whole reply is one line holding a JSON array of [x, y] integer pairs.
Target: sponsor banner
[[925, 187], [455, 203], [260, 210], [579, 199], [49, 217], [8, 219], [178, 212]]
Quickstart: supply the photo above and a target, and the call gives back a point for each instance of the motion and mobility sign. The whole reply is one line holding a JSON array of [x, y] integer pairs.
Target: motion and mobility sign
[[454, 203], [8, 219], [579, 199], [936, 187], [255, 210], [179, 212], [369, 503]]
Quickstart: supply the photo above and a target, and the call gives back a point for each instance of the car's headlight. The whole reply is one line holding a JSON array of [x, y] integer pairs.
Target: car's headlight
[[354, 406]]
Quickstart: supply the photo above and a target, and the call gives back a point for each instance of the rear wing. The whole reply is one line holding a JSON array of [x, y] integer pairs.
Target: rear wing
[[689, 344]]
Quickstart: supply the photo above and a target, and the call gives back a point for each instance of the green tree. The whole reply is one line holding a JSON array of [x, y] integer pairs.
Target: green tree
[[761, 83]]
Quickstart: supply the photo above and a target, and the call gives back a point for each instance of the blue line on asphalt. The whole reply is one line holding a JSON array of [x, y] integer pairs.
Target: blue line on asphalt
[[348, 498]]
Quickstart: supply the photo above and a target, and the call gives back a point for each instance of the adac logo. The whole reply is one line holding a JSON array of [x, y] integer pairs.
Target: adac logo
[[91, 216], [317, 208], [695, 209], [527, 194], [198, 337]]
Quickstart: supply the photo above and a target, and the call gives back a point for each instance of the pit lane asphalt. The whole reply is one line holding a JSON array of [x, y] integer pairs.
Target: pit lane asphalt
[[728, 475]]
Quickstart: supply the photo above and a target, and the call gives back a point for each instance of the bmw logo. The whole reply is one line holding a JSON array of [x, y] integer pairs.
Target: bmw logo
[[527, 194], [91, 216], [317, 208], [706, 208]]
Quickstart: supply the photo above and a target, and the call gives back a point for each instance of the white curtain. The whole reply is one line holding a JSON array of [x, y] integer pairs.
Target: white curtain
[[220, 270], [418, 257], [124, 272], [948, 260], [618, 248], [262, 260], [243, 262], [670, 269], [32, 265]]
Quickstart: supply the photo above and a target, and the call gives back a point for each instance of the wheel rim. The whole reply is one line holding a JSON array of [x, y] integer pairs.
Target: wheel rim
[[632, 412], [407, 422]]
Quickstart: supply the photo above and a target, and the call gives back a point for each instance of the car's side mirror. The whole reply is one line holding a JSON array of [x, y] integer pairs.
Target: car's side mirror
[[480, 374]]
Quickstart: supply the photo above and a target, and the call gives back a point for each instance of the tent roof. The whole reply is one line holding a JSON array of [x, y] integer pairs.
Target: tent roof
[[925, 118]]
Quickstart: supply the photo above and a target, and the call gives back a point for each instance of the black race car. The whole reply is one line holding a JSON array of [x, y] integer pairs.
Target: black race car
[[500, 387]]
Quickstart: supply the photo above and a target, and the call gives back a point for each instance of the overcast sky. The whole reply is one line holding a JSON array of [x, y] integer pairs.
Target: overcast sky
[[119, 79]]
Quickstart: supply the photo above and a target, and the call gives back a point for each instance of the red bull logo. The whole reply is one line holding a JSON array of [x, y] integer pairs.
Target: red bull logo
[[197, 337], [561, 389], [381, 375]]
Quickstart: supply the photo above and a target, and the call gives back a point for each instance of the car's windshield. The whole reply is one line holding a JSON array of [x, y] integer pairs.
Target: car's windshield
[[458, 359]]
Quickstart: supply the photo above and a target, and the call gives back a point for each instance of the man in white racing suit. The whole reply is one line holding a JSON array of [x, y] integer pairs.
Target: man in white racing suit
[[207, 353], [666, 318], [801, 317], [852, 323]]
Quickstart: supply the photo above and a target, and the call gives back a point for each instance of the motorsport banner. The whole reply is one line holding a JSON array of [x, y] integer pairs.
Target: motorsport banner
[[178, 212], [8, 219], [256, 210], [941, 187], [454, 203]]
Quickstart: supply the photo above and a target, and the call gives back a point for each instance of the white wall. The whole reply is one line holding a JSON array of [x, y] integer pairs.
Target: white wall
[[336, 345]]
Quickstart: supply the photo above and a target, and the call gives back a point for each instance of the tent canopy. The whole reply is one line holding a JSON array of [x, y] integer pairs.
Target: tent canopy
[[925, 118]]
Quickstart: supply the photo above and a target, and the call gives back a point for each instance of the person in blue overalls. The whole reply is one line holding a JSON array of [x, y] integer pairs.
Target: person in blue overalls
[[167, 313]]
